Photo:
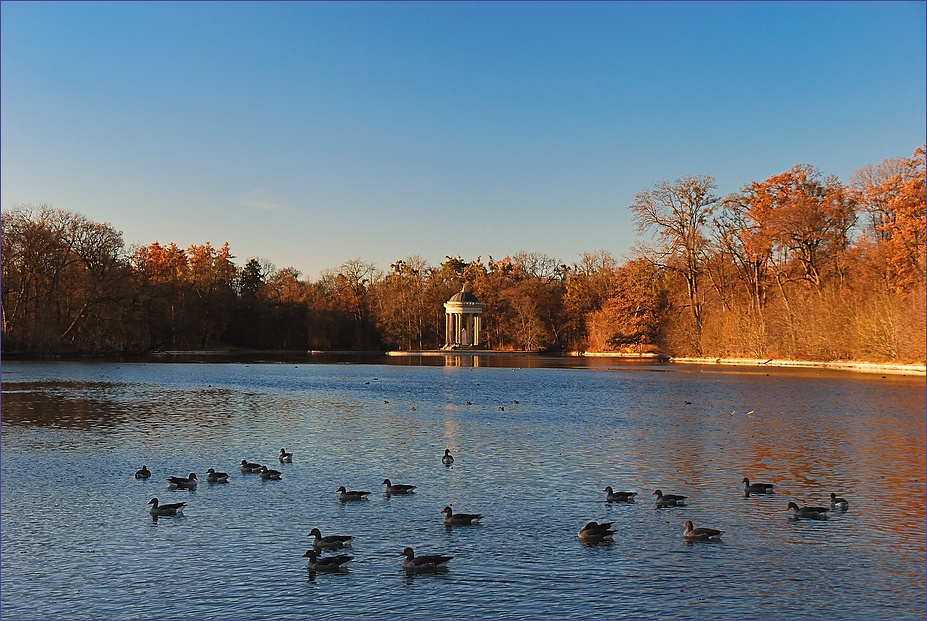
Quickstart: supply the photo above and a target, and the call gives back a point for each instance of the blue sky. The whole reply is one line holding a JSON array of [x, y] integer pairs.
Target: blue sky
[[313, 133]]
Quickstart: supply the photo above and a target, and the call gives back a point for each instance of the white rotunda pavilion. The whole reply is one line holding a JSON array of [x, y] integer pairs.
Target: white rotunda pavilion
[[463, 321]]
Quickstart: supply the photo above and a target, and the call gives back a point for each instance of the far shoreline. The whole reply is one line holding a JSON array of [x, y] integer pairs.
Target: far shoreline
[[861, 367], [238, 355]]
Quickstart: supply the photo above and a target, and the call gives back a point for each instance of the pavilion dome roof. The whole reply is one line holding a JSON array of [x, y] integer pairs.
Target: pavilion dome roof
[[464, 297]]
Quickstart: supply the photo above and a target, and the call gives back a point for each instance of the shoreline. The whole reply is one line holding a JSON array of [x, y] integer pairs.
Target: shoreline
[[653, 358], [463, 352], [862, 367]]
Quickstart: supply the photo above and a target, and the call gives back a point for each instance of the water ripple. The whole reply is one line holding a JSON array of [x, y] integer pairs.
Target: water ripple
[[77, 540]]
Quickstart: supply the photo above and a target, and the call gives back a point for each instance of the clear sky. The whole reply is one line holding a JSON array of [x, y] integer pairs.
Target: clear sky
[[309, 134]]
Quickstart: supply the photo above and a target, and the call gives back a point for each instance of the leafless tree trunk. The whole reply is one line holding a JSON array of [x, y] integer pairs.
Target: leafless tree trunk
[[678, 211]]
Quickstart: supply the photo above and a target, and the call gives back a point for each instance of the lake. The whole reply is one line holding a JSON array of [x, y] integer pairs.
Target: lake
[[535, 446]]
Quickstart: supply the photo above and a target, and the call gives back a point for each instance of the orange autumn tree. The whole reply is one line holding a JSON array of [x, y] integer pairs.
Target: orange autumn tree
[[890, 321], [162, 276], [212, 283], [279, 313], [792, 230], [796, 223], [184, 297], [588, 284], [893, 194], [808, 219], [630, 320], [160, 265], [746, 238]]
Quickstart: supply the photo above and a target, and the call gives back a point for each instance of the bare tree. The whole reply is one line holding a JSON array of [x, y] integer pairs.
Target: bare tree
[[64, 279], [679, 211], [355, 279], [538, 265], [402, 309]]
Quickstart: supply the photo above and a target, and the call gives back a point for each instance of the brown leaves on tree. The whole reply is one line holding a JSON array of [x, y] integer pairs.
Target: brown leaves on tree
[[895, 198]]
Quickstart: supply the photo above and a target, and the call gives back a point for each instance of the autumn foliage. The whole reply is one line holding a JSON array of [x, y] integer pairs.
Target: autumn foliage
[[796, 266]]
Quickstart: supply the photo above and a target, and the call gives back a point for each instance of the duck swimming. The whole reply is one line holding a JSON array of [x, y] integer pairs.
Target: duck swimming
[[757, 488], [596, 532], [270, 475], [216, 477], [429, 562], [332, 542], [327, 563], [397, 489], [447, 460], [811, 513], [669, 500], [284, 457], [838, 503], [700, 534], [165, 510], [451, 518], [345, 495], [248, 467], [183, 483], [144, 473], [613, 496]]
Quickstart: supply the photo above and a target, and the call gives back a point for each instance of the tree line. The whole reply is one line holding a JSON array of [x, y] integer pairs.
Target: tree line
[[798, 266]]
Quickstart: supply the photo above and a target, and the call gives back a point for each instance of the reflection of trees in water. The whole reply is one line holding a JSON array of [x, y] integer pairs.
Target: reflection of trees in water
[[57, 405], [100, 406]]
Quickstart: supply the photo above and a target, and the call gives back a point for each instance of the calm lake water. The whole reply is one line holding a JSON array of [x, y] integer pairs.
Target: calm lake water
[[78, 543]]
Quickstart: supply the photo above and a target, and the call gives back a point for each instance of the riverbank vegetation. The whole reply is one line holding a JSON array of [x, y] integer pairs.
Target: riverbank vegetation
[[799, 266]]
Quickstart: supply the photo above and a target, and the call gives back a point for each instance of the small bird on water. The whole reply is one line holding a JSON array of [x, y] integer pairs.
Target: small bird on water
[[183, 483], [159, 510], [216, 477], [331, 542], [345, 494], [326, 563], [451, 518], [270, 475], [669, 500], [700, 534], [613, 496], [397, 488], [596, 532], [757, 488], [429, 562], [811, 513]]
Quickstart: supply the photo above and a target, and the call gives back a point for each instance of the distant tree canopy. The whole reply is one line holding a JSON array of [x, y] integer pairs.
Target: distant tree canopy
[[795, 266]]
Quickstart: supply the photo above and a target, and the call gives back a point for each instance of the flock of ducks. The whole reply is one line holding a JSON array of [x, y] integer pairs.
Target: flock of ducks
[[595, 532], [591, 532], [190, 482], [315, 562]]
